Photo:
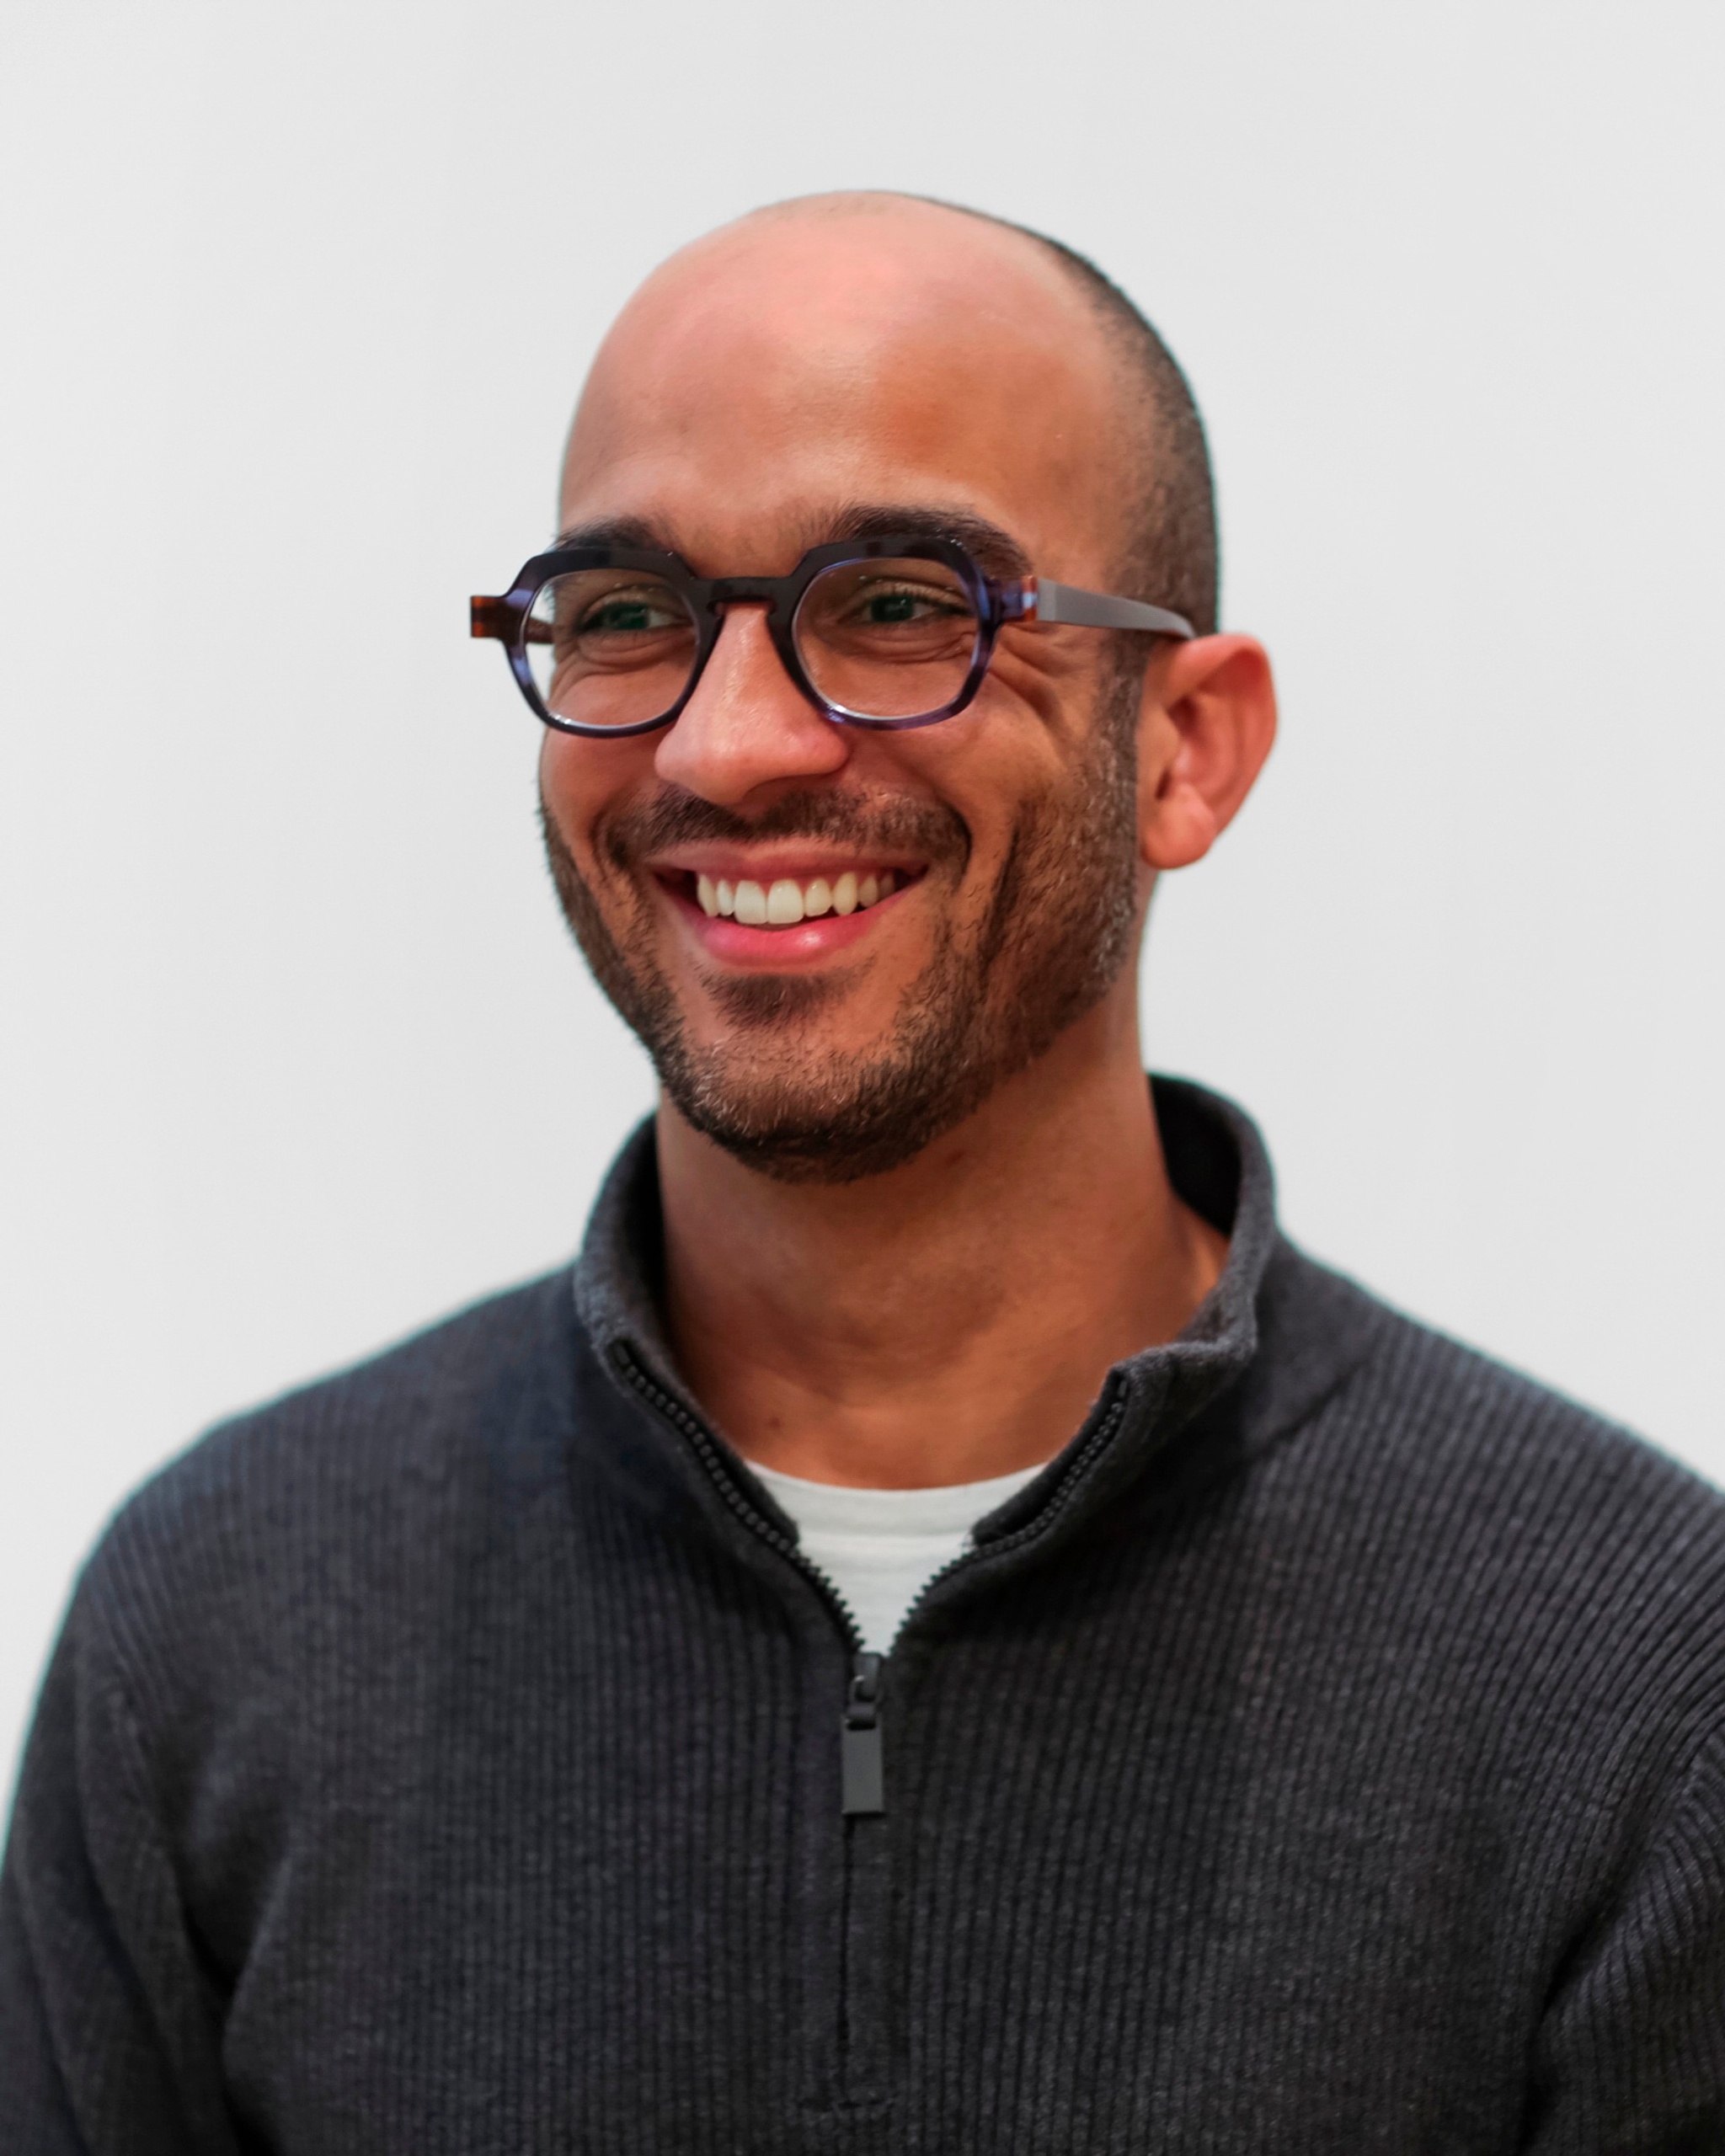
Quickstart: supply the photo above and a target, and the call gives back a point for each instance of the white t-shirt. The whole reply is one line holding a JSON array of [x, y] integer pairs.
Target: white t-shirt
[[880, 1548]]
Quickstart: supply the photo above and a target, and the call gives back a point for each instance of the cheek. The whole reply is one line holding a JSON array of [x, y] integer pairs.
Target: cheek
[[999, 766], [559, 780], [579, 780], [1033, 717]]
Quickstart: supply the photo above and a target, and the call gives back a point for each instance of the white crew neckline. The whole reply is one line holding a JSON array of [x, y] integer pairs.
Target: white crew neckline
[[880, 1548], [945, 1508]]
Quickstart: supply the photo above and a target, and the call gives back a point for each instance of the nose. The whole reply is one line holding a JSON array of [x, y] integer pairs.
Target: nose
[[747, 724]]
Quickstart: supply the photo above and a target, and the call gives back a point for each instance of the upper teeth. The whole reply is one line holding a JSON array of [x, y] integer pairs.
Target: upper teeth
[[778, 904]]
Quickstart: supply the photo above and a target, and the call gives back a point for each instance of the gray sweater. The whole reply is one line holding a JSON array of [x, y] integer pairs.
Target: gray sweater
[[1326, 1752]]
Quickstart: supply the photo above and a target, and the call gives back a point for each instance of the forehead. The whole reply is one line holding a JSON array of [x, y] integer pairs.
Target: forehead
[[785, 367]]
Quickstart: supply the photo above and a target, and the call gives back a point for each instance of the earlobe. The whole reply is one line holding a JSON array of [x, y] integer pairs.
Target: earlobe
[[1208, 724]]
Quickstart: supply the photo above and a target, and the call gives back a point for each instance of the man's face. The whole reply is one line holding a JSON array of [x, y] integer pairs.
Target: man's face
[[762, 390]]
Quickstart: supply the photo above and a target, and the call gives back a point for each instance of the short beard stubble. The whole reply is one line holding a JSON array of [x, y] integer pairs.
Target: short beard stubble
[[1060, 925]]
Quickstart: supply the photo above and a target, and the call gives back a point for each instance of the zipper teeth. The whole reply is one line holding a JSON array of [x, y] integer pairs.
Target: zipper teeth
[[706, 1450], [1099, 1437]]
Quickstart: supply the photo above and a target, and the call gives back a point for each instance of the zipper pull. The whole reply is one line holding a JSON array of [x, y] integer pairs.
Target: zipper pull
[[859, 1740]]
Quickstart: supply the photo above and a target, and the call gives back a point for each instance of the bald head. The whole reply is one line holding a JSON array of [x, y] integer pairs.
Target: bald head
[[1168, 486], [987, 358]]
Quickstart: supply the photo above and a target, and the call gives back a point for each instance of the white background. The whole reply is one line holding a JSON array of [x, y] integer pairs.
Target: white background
[[296, 301]]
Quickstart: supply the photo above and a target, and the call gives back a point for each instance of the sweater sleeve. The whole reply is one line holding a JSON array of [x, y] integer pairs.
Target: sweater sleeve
[[1632, 2053], [108, 2033]]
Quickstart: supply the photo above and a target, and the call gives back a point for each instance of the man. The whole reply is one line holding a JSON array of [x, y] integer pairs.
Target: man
[[950, 1635]]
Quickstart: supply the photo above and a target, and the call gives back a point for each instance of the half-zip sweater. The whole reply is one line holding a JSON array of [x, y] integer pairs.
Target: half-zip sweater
[[1325, 1752]]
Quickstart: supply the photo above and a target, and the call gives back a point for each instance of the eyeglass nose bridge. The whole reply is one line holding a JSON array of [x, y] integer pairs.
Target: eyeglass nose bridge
[[768, 592], [730, 590]]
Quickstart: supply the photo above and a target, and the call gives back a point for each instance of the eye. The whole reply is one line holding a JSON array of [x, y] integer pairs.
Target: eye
[[882, 605], [890, 606], [631, 613]]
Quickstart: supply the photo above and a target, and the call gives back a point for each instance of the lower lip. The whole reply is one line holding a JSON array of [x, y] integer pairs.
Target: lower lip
[[767, 949]]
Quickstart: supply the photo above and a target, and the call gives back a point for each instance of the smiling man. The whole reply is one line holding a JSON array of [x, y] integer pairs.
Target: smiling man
[[947, 1633]]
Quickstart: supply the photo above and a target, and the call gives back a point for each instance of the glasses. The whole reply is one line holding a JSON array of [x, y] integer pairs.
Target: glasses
[[889, 633]]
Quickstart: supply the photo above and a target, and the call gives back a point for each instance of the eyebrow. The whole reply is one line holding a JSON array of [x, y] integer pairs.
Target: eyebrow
[[993, 547], [997, 551], [615, 531]]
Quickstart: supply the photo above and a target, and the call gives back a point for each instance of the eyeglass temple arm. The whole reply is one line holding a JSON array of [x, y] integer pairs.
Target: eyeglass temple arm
[[502, 619], [1041, 600]]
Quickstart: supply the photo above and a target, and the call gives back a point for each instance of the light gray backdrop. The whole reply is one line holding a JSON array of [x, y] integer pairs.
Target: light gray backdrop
[[296, 301]]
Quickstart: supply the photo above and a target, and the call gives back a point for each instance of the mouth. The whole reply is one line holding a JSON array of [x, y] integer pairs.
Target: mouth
[[793, 916], [787, 899]]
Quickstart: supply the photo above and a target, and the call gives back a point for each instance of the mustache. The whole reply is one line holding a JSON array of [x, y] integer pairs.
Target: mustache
[[673, 817]]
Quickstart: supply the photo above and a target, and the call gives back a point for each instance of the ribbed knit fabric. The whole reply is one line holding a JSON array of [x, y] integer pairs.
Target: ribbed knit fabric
[[1326, 1752]]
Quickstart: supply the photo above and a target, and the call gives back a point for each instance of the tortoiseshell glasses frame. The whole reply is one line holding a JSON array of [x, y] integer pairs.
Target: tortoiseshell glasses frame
[[510, 619]]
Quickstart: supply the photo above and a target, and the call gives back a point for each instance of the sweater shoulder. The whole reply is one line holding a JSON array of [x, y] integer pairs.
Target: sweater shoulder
[[458, 1422], [1511, 1519], [1436, 1402], [424, 1402]]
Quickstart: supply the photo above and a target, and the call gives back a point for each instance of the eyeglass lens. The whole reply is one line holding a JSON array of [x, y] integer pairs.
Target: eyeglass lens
[[610, 646], [879, 639]]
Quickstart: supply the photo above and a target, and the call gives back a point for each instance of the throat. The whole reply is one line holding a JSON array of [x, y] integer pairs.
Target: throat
[[947, 1323]]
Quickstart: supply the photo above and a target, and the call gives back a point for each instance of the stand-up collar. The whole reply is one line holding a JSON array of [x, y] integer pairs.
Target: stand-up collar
[[1217, 1163]]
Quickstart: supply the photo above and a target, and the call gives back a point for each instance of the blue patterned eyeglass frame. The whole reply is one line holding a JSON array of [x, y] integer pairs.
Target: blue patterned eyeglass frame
[[509, 619]]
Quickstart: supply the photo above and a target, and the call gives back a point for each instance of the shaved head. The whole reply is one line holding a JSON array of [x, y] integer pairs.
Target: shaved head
[[1167, 490], [1166, 469], [1158, 488]]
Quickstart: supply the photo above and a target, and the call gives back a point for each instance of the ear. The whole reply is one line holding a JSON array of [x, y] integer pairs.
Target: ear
[[1207, 720]]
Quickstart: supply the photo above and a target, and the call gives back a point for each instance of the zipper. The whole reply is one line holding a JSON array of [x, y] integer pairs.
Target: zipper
[[861, 1780], [849, 2062], [862, 1776], [846, 2061], [1097, 1443]]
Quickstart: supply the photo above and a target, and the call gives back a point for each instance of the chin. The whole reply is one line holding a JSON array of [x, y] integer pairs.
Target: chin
[[832, 1117], [747, 1003]]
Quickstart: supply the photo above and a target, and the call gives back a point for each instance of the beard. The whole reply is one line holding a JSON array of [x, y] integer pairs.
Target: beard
[[1057, 927]]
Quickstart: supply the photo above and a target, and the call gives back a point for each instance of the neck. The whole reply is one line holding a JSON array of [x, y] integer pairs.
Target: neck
[[952, 1320]]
